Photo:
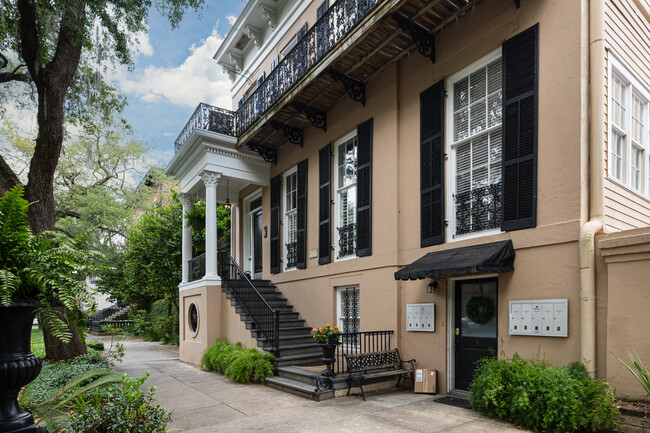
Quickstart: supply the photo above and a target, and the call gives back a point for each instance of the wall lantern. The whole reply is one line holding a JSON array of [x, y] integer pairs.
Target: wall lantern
[[431, 287], [227, 204]]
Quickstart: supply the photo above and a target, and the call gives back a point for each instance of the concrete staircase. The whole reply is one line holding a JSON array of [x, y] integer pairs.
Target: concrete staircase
[[297, 346]]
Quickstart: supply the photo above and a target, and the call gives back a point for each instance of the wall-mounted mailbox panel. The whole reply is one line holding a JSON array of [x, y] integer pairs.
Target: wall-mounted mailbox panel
[[544, 317], [420, 317]]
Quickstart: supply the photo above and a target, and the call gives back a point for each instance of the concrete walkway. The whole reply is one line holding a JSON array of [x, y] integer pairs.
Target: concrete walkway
[[208, 402]]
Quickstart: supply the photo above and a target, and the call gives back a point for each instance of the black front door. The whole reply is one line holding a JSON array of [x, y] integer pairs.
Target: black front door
[[257, 244], [476, 326]]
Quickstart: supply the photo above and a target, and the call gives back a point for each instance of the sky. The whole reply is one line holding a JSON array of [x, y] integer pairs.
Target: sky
[[174, 71]]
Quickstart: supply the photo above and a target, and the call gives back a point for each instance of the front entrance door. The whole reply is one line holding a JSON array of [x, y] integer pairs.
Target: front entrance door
[[476, 326], [257, 244]]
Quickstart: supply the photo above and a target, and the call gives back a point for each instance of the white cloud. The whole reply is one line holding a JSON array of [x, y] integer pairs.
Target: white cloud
[[197, 79], [232, 19], [139, 44]]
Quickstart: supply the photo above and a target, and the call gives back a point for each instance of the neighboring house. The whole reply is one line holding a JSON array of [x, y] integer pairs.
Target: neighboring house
[[388, 154], [154, 188]]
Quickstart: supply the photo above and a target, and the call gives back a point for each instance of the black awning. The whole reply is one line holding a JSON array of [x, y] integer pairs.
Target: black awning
[[474, 259]]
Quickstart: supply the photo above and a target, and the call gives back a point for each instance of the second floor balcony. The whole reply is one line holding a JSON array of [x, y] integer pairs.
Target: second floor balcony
[[349, 45]]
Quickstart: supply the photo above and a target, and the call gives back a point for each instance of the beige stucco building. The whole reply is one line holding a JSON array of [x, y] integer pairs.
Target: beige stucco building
[[506, 141]]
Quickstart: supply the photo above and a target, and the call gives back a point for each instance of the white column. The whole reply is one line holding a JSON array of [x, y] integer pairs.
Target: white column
[[210, 180], [186, 250]]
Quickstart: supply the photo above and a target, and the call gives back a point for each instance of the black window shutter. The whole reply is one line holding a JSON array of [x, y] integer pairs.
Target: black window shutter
[[519, 153], [432, 165], [275, 224], [322, 8], [364, 189], [324, 205], [301, 211]]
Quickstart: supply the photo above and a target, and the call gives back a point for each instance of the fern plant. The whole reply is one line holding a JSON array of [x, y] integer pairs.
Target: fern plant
[[53, 411], [44, 268]]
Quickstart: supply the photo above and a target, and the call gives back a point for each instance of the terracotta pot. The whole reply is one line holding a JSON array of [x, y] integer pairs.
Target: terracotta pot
[[18, 366]]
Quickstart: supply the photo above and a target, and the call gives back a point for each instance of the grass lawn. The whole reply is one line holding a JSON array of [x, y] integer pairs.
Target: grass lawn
[[38, 346]]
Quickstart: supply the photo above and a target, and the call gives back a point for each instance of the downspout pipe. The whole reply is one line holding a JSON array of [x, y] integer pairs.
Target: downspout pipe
[[596, 179]]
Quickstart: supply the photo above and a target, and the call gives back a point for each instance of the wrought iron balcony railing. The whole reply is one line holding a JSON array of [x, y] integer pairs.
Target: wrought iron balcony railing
[[478, 209], [347, 240], [333, 26], [325, 34], [208, 118]]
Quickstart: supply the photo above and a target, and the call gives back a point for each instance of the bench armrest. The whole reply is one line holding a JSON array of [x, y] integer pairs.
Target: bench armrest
[[410, 361]]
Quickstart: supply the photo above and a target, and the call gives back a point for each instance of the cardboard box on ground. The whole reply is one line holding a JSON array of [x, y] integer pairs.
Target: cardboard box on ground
[[426, 381]]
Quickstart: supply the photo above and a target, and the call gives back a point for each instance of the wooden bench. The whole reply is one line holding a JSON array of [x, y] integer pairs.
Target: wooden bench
[[363, 366]]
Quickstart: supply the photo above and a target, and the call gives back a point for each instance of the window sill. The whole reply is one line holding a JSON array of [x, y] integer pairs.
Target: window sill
[[474, 235], [346, 258]]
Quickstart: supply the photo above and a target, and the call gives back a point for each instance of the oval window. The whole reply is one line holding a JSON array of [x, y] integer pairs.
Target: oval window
[[193, 317]]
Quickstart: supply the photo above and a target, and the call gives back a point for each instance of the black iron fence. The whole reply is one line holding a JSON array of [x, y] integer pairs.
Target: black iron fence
[[265, 318], [478, 209], [325, 34], [361, 342], [196, 268], [102, 325]]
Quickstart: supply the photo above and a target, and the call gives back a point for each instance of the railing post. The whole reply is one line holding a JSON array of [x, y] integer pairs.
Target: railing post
[[276, 333]]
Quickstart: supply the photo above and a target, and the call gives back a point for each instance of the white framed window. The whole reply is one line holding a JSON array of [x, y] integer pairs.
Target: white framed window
[[629, 141], [473, 125], [345, 209], [348, 311], [290, 218]]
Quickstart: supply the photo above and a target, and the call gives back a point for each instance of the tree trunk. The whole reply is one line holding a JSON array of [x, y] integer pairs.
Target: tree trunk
[[56, 350]]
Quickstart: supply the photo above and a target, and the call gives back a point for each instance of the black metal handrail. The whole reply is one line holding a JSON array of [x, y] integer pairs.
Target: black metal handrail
[[196, 268], [339, 20], [266, 319], [361, 342]]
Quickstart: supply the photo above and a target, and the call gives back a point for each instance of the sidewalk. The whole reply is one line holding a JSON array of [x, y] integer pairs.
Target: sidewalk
[[208, 402]]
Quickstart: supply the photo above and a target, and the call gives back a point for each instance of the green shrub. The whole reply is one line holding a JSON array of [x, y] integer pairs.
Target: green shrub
[[125, 408], [160, 324], [55, 375], [238, 363], [95, 345], [539, 396]]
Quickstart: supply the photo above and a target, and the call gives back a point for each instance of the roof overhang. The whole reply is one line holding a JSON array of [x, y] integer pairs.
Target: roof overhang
[[493, 257]]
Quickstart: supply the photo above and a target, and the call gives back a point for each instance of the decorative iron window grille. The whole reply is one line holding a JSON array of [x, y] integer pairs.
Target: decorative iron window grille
[[292, 254], [334, 25], [478, 209], [350, 304], [347, 240]]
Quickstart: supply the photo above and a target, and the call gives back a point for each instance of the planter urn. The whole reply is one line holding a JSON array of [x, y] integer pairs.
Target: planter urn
[[18, 365], [323, 381]]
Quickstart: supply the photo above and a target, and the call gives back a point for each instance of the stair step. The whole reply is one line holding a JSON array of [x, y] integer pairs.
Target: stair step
[[275, 304], [284, 322], [298, 388], [287, 331], [302, 359], [293, 350]]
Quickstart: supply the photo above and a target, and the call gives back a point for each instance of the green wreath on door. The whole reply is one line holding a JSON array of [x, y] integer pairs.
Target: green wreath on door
[[479, 309]]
